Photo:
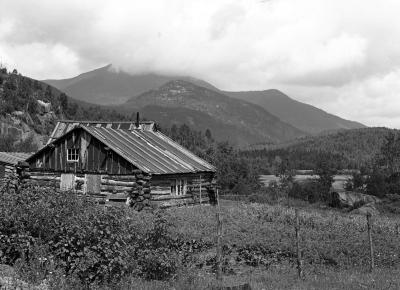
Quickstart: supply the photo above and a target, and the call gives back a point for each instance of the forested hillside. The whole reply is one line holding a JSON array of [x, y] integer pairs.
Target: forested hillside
[[30, 108], [346, 149], [307, 118]]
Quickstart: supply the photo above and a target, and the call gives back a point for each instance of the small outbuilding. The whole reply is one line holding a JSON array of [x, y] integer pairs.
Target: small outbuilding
[[129, 161], [9, 161]]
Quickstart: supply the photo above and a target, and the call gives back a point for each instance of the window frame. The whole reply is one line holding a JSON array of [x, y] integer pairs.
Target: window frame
[[179, 187], [75, 153]]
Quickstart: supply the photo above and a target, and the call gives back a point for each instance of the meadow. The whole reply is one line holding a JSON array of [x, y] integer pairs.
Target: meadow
[[67, 242]]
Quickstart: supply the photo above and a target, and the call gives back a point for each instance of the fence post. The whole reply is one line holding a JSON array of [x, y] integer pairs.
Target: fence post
[[371, 247], [299, 261], [200, 190], [219, 234]]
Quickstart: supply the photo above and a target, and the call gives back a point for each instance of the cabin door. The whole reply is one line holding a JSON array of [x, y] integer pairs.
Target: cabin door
[[92, 183], [67, 182]]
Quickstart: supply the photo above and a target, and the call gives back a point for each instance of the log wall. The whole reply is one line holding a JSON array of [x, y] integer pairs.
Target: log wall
[[197, 191], [138, 190]]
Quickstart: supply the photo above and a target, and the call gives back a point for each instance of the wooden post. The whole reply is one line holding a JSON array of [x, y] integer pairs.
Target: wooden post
[[371, 248], [299, 261], [200, 189], [219, 247]]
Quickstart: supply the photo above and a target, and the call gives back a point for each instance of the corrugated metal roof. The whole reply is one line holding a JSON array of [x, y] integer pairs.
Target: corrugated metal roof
[[62, 127], [150, 151], [12, 158]]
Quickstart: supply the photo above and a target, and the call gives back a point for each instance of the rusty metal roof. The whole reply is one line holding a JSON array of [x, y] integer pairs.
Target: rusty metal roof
[[62, 127], [12, 158], [150, 151], [147, 149]]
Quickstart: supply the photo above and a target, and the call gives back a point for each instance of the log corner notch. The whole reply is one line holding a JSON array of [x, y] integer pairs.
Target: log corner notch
[[139, 197]]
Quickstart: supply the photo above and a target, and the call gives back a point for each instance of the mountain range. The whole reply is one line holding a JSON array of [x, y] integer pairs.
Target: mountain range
[[237, 121], [109, 86], [244, 118], [303, 116]]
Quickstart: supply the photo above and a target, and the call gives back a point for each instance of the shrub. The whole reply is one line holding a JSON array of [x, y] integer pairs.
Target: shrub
[[87, 241], [356, 182], [270, 194], [309, 190], [376, 183]]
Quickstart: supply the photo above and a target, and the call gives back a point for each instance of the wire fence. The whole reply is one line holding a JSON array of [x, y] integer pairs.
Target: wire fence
[[309, 238]]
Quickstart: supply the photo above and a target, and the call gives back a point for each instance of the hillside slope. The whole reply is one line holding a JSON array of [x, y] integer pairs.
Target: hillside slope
[[244, 123], [108, 86], [30, 108], [303, 116], [347, 148]]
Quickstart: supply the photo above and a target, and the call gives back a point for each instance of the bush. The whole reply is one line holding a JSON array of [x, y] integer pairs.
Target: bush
[[86, 241], [270, 194], [309, 190], [376, 184], [356, 182]]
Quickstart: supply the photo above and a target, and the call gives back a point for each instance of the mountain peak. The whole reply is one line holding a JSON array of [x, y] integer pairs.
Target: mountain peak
[[276, 93], [109, 85], [230, 119]]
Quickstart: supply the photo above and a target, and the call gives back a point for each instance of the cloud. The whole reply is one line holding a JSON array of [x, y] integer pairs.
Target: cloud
[[373, 101], [333, 54], [225, 17]]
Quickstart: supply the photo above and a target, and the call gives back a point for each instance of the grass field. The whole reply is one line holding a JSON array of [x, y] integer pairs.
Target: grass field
[[259, 243], [259, 248], [335, 249], [282, 278]]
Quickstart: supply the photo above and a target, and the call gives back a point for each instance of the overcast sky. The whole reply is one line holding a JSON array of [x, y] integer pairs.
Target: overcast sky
[[342, 56]]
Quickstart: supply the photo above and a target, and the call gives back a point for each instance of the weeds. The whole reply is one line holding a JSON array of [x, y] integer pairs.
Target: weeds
[[69, 241]]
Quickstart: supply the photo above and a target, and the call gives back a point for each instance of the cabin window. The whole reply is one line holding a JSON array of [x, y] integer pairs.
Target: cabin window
[[179, 187], [72, 154]]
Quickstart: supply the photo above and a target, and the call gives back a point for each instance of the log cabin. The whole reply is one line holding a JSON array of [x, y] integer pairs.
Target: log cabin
[[122, 161]]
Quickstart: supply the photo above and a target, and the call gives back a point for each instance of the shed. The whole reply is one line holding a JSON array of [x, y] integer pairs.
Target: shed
[[8, 161], [122, 160]]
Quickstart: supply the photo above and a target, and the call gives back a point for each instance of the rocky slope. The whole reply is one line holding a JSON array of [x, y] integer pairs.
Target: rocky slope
[[109, 86], [238, 121], [30, 108]]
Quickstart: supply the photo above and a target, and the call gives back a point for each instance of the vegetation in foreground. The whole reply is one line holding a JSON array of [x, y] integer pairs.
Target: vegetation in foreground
[[70, 242]]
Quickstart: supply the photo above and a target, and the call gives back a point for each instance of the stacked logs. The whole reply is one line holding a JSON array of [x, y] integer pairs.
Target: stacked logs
[[41, 179], [199, 188], [140, 194], [11, 182], [14, 178]]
